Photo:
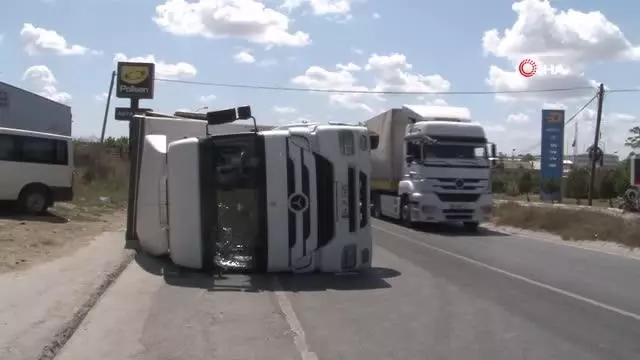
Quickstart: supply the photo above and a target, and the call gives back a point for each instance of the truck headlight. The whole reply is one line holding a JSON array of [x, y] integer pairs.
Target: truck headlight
[[347, 142]]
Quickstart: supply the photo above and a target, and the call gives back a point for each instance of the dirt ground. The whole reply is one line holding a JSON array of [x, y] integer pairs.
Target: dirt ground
[[29, 240]]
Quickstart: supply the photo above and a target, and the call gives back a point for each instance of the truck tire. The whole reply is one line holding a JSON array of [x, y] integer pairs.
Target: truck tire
[[34, 199], [471, 226], [375, 206], [405, 212]]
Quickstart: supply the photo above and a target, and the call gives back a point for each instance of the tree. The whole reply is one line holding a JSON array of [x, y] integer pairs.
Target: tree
[[623, 176], [608, 187], [578, 184], [530, 159], [525, 183], [633, 141]]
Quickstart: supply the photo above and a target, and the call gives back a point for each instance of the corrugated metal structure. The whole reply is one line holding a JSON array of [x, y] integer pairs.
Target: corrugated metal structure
[[22, 109]]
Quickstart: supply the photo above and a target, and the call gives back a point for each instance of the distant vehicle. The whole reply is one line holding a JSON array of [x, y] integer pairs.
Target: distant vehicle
[[36, 168], [432, 165]]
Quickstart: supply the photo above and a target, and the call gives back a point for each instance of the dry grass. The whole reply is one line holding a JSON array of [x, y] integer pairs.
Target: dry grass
[[569, 224], [101, 178], [567, 201]]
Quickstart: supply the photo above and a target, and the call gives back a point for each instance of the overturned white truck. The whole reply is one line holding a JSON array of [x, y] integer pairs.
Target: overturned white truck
[[260, 201], [432, 165]]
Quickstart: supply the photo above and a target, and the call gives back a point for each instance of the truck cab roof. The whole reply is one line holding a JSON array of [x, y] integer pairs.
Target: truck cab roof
[[438, 113], [446, 128]]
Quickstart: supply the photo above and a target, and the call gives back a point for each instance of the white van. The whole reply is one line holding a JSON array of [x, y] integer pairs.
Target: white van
[[36, 169]]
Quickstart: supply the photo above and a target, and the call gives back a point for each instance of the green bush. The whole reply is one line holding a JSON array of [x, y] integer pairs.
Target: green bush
[[525, 183], [497, 186]]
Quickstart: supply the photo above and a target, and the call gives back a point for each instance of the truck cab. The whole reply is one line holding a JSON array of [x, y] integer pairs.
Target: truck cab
[[276, 200], [433, 166]]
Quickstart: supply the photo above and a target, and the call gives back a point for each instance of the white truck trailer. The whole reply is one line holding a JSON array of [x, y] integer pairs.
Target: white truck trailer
[[432, 165], [261, 201]]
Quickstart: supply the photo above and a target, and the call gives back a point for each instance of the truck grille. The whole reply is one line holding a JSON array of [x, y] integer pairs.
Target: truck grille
[[351, 182], [458, 197], [326, 200]]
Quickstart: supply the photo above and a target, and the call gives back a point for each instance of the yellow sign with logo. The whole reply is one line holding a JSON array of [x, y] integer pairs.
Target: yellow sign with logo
[[135, 80], [554, 116]]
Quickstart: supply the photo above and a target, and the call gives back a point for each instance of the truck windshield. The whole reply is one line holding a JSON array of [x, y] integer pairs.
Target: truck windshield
[[239, 190], [454, 151]]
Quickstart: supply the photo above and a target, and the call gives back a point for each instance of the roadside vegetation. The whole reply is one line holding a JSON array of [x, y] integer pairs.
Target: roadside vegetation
[[570, 224], [520, 187], [100, 193]]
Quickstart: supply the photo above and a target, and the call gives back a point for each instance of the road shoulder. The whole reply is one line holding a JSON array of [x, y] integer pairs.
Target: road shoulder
[[39, 304], [145, 315]]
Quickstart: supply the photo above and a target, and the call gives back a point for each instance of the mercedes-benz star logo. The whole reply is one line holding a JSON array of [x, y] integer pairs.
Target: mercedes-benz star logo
[[459, 183], [298, 202]]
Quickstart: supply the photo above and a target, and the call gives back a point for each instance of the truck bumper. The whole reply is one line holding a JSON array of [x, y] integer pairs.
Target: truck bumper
[[429, 208]]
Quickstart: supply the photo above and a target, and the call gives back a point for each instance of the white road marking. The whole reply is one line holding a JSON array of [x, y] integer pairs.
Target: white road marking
[[515, 276], [299, 337]]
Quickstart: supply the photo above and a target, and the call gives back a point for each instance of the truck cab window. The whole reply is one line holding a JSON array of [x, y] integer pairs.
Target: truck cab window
[[413, 150], [237, 193], [454, 151]]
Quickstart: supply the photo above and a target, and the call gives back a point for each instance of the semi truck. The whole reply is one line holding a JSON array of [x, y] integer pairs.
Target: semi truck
[[288, 200], [432, 165]]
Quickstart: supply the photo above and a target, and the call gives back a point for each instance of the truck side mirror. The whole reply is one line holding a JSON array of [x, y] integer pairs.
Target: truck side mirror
[[493, 155]]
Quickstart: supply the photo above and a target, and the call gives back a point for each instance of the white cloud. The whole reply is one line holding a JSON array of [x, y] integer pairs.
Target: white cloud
[[616, 117], [543, 31], [389, 72], [376, 15], [205, 99], [243, 57], [284, 110], [246, 19], [519, 118], [102, 97], [321, 7], [567, 40], [357, 51], [41, 80], [392, 74], [351, 67], [163, 69], [317, 77], [37, 40], [554, 106]]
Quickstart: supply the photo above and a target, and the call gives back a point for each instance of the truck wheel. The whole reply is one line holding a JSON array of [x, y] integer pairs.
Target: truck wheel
[[34, 199], [471, 226], [405, 212], [375, 207]]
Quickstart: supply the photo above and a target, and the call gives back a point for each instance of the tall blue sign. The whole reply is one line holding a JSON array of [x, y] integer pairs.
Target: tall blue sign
[[551, 154]]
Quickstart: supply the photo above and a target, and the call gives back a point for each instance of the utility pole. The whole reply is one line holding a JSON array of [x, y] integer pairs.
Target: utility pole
[[594, 148], [106, 109]]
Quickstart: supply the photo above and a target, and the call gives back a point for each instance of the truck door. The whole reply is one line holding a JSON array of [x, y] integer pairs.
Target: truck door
[[302, 204]]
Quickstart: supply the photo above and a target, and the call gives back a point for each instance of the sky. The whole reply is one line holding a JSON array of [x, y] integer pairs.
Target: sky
[[66, 50]]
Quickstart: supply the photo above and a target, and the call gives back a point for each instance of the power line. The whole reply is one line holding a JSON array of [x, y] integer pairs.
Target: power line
[[571, 119], [348, 91]]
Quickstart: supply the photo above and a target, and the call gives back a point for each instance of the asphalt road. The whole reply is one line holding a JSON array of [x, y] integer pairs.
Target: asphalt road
[[430, 296]]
